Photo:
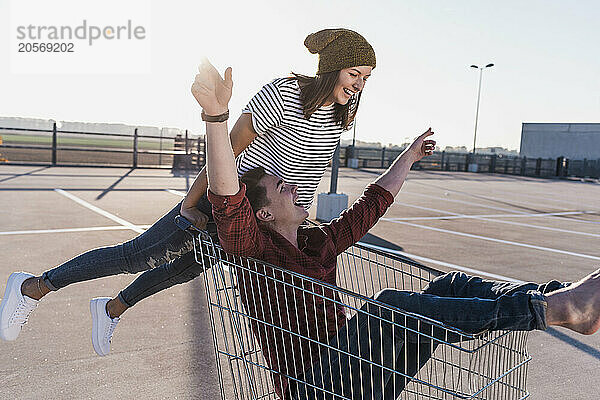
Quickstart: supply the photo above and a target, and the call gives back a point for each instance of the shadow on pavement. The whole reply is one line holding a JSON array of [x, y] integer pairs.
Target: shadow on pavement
[[574, 342], [14, 176], [111, 187], [203, 369], [386, 245]]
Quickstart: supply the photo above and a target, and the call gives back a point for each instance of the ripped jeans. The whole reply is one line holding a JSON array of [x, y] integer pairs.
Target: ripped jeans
[[164, 251]]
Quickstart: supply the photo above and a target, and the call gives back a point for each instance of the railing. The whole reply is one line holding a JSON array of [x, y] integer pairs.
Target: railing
[[490, 163], [52, 147], [103, 149]]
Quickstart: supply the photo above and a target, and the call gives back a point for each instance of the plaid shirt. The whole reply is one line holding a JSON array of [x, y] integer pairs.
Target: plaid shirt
[[281, 307]]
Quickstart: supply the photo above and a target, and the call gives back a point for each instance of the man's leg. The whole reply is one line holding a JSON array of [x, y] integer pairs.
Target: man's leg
[[352, 369], [373, 356], [459, 284], [518, 310], [378, 336], [575, 306]]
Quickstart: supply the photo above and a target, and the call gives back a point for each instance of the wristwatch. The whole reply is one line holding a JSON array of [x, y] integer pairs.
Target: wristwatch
[[215, 118]]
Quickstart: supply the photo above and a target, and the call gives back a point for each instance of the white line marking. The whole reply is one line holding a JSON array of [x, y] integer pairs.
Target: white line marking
[[444, 264], [515, 196], [462, 216], [464, 202], [492, 207], [175, 192], [66, 230], [481, 218], [530, 246], [100, 211]]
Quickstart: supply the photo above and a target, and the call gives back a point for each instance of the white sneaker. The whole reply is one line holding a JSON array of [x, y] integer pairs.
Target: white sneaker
[[15, 308], [103, 326]]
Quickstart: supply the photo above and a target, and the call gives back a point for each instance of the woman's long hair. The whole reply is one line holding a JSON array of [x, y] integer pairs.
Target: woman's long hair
[[314, 92]]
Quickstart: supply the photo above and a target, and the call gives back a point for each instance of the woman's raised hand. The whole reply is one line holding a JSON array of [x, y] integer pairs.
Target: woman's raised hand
[[212, 91]]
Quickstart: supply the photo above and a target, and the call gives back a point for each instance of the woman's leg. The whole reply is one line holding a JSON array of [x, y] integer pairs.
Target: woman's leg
[[162, 242], [179, 270]]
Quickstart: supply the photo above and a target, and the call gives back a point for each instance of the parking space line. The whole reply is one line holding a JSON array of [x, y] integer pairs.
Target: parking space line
[[463, 216], [548, 228], [516, 194], [443, 263], [469, 235], [100, 211], [67, 230], [32, 172], [470, 203], [175, 192], [492, 207]]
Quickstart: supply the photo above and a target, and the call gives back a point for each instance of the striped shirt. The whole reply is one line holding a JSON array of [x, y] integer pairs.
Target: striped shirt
[[288, 145]]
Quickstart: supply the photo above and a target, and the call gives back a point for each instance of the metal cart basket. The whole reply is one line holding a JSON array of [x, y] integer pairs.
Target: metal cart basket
[[453, 364]]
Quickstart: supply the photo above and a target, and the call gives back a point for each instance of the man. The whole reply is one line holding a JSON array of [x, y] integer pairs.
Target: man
[[260, 218]]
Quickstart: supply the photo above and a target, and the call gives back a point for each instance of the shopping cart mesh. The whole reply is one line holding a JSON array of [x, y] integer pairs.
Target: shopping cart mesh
[[245, 310]]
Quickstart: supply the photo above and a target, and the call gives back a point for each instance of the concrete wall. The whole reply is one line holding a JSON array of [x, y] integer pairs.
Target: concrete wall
[[552, 140]]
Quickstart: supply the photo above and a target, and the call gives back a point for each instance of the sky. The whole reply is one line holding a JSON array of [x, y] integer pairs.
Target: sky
[[547, 65]]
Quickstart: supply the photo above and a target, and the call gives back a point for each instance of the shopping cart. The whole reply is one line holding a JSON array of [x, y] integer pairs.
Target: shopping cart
[[453, 364]]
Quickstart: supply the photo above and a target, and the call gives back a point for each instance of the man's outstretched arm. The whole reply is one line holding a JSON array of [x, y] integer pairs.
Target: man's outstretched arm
[[393, 178], [236, 225], [213, 93], [356, 221], [241, 135]]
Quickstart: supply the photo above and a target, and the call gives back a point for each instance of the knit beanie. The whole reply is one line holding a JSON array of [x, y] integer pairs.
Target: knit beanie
[[339, 49]]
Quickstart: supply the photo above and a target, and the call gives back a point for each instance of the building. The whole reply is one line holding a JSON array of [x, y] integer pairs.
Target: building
[[499, 151], [575, 141]]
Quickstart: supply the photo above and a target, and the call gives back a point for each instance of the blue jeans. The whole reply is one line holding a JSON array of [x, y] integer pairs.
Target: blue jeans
[[470, 304], [164, 251]]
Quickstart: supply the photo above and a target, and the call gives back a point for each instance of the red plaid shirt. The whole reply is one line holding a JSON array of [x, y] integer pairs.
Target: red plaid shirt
[[280, 307]]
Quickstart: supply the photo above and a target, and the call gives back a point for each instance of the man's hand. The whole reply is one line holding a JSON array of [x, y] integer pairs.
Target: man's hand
[[422, 146], [195, 216], [393, 179], [210, 90]]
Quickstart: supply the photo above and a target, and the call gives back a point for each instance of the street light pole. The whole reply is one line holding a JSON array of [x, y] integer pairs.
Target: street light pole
[[354, 134], [478, 98]]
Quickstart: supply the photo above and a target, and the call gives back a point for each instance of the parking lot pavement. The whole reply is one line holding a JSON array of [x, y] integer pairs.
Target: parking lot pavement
[[513, 227]]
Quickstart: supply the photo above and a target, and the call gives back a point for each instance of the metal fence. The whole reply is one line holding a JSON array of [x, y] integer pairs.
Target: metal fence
[[489, 163], [57, 147]]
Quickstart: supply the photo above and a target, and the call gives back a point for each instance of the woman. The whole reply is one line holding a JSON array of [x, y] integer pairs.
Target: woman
[[291, 127]]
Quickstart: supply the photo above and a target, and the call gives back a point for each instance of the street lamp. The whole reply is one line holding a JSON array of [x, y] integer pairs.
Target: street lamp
[[478, 97]]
